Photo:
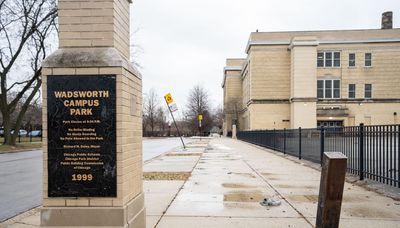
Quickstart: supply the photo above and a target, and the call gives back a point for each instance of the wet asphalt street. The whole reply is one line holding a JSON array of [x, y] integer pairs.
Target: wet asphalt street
[[20, 182], [21, 176]]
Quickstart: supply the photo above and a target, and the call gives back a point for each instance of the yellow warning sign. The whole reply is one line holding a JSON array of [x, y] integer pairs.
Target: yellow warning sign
[[168, 98], [200, 117]]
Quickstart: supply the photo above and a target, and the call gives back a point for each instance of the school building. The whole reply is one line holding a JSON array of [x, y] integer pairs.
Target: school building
[[312, 78]]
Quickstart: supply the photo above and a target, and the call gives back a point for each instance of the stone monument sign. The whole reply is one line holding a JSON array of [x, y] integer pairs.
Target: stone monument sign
[[92, 120]]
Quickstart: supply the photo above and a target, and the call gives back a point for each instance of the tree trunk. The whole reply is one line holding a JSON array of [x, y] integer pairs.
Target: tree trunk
[[22, 112], [7, 128]]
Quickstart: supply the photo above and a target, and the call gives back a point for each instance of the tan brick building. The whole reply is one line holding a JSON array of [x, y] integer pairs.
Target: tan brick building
[[311, 78]]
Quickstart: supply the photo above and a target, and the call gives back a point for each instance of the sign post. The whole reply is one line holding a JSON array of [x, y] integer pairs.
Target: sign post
[[172, 108], [200, 118]]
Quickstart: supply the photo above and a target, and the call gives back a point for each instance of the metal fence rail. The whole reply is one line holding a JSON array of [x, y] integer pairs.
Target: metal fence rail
[[372, 151]]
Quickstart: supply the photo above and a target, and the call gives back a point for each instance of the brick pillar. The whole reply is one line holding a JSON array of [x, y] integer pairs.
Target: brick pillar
[[303, 82], [92, 121]]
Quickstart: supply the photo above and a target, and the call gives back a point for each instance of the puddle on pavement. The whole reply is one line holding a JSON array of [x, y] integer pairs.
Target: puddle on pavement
[[234, 185], [183, 154], [243, 174], [166, 175], [303, 198], [197, 146], [236, 205], [267, 174], [297, 186], [242, 196], [272, 178], [201, 197], [369, 212]]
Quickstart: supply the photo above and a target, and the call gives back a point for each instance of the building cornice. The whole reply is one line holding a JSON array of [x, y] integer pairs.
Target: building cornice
[[303, 99], [268, 101], [323, 102], [288, 42], [230, 68], [358, 101]]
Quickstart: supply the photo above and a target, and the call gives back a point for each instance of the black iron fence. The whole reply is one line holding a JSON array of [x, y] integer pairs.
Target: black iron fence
[[372, 151]]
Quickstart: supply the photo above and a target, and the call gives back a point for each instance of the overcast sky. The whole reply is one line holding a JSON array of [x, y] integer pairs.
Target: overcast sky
[[186, 42]]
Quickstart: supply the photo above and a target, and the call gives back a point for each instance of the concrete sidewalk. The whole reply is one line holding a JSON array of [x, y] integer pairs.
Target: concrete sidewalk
[[219, 183]]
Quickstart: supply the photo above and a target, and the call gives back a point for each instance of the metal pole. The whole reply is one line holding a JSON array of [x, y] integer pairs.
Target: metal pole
[[177, 129], [284, 141], [322, 142], [398, 156], [30, 136], [299, 143], [361, 151]]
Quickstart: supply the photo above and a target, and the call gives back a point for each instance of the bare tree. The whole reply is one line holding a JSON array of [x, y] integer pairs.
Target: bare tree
[[198, 104], [232, 108], [33, 115], [151, 104], [25, 26], [135, 50], [218, 116], [161, 120]]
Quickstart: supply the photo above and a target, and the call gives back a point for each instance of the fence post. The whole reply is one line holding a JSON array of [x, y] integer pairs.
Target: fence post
[[322, 143], [30, 133], [299, 143], [361, 151], [19, 137], [331, 189], [284, 141]]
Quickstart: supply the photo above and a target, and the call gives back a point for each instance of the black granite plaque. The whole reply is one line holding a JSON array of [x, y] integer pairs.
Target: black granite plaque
[[81, 136]]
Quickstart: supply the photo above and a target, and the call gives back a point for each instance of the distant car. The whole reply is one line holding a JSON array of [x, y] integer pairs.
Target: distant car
[[1, 131], [36, 133], [21, 132], [214, 135]]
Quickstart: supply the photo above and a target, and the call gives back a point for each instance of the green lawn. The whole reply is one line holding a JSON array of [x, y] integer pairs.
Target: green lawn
[[20, 147]]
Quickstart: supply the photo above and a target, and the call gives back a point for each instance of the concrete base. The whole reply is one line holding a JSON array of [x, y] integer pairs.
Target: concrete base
[[234, 132], [133, 214]]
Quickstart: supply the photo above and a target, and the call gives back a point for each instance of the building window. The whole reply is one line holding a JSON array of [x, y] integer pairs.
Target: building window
[[320, 88], [320, 59], [330, 123], [368, 91], [336, 59], [368, 59], [327, 89], [328, 59], [352, 60], [352, 91]]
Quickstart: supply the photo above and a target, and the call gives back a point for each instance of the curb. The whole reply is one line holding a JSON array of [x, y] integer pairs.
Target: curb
[[18, 151]]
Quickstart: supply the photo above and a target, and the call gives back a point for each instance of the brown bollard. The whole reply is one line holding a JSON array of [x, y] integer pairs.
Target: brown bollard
[[331, 189]]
